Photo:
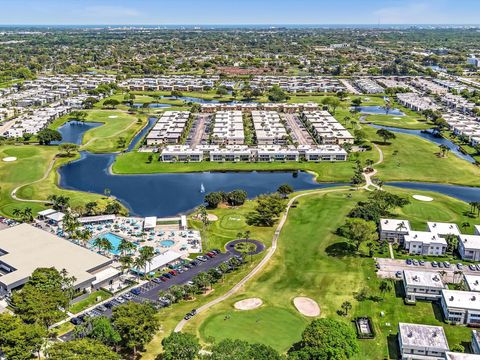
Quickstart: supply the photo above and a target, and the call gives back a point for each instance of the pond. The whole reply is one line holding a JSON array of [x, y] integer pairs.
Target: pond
[[153, 105], [430, 136], [464, 193], [378, 110], [171, 194], [72, 131]]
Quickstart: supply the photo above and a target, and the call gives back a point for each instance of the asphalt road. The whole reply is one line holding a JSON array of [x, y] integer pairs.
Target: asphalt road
[[299, 131]]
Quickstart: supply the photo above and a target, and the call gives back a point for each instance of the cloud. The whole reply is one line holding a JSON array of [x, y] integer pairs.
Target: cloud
[[411, 13], [111, 12]]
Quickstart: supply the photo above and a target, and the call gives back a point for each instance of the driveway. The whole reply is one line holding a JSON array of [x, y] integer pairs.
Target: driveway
[[388, 268]]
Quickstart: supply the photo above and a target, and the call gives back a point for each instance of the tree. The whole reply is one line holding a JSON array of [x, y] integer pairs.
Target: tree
[[229, 349], [276, 94], [90, 207], [147, 253], [46, 136], [358, 231], [385, 135], [385, 286], [263, 352], [126, 247], [126, 262], [203, 216], [452, 242], [327, 339], [357, 102], [68, 148], [113, 207], [19, 340], [84, 349], [99, 328], [80, 116], [267, 210], [121, 142], [24, 215], [202, 280], [136, 324], [176, 94], [59, 202], [111, 103], [346, 307], [444, 149], [285, 190], [213, 199], [43, 296], [236, 197], [180, 346]]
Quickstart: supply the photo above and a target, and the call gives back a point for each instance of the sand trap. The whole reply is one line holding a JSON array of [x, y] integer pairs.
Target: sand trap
[[9, 159], [248, 304], [422, 198], [113, 117], [212, 217], [397, 118], [306, 306]]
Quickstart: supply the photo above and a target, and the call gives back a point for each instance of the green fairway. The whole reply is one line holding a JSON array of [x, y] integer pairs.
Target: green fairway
[[330, 275], [29, 169], [283, 327], [117, 124], [411, 158]]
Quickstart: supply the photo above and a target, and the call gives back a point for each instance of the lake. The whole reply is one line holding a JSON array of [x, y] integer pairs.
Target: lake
[[378, 110], [72, 131], [428, 135]]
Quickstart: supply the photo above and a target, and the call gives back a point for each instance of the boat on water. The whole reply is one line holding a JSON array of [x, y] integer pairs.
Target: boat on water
[[202, 188]]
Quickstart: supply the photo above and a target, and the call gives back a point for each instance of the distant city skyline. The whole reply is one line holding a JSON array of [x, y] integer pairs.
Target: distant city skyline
[[231, 12]]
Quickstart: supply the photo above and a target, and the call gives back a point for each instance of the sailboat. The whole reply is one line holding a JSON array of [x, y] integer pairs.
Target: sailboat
[[202, 188]]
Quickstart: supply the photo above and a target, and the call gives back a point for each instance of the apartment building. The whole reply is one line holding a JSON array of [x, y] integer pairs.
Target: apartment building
[[269, 129], [422, 342], [169, 128], [228, 128], [461, 307], [422, 285]]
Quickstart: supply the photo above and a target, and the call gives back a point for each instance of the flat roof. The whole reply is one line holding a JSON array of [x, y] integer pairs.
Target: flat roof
[[443, 228], [28, 248], [97, 218], [423, 278], [461, 356], [473, 282], [46, 212], [161, 260], [423, 336], [471, 242], [150, 222], [468, 300], [395, 225], [425, 237]]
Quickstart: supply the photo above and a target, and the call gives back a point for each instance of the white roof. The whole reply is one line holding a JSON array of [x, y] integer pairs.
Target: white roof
[[423, 278], [461, 356], [423, 336], [150, 222], [28, 248], [394, 225], [468, 300], [477, 229], [471, 242], [47, 212], [161, 260], [97, 218], [443, 228], [425, 237], [473, 282], [105, 274], [57, 216]]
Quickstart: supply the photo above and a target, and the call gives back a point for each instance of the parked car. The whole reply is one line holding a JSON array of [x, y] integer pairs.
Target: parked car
[[76, 321], [101, 308], [477, 266], [108, 305], [421, 262], [409, 261], [398, 274], [415, 262], [434, 264], [460, 266], [472, 267], [187, 317], [163, 278], [446, 264], [440, 264], [157, 281], [120, 299], [136, 291]]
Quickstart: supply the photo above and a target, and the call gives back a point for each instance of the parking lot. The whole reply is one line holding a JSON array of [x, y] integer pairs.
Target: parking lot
[[299, 133], [388, 269], [149, 291], [197, 133]]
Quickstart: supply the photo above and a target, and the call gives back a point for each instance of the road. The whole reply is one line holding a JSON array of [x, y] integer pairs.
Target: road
[[199, 130], [301, 134]]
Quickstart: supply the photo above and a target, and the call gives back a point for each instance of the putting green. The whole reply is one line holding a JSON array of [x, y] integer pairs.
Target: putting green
[[233, 221], [283, 327]]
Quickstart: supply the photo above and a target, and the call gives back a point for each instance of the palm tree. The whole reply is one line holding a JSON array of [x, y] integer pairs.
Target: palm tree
[[465, 225], [385, 286], [126, 262], [139, 263], [401, 226], [126, 247], [98, 243], [147, 253], [346, 306], [107, 245], [444, 149]]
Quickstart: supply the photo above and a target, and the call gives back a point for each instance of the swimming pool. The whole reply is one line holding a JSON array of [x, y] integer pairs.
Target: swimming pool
[[167, 243], [115, 240]]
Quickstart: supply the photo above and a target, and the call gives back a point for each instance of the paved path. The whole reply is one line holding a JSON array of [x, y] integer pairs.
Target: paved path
[[369, 175], [262, 263], [199, 129], [301, 134], [13, 194]]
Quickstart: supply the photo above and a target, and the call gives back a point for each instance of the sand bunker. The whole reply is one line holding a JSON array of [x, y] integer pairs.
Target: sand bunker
[[212, 217], [10, 159], [306, 306], [113, 117], [397, 118], [248, 304], [422, 198]]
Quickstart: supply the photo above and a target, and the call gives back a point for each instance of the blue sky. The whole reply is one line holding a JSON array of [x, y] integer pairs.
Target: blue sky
[[239, 12]]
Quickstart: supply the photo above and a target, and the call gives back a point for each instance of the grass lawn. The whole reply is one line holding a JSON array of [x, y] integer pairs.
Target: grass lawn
[[89, 301], [117, 124], [411, 158], [31, 165], [331, 275], [137, 163], [404, 122]]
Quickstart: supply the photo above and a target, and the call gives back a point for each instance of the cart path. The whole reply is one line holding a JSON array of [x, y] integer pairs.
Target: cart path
[[13, 194], [263, 262]]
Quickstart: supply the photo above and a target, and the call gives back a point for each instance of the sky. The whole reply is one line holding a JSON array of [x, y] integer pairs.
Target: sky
[[171, 12]]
